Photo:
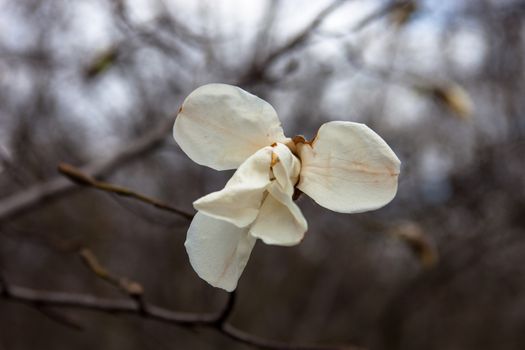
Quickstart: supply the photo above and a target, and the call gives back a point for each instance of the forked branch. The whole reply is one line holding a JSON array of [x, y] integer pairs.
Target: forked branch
[[130, 306]]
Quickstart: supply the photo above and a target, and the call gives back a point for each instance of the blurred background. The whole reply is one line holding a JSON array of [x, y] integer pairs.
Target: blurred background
[[97, 84]]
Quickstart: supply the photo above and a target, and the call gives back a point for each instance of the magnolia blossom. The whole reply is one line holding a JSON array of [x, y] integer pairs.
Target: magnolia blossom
[[346, 168]]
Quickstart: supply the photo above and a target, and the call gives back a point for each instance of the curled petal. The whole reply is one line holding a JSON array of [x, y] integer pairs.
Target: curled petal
[[218, 250], [348, 168], [239, 201], [286, 168], [280, 220], [221, 125]]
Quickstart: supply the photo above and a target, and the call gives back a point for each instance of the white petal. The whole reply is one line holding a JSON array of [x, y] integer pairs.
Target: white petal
[[286, 168], [240, 200], [348, 168], [218, 250], [221, 125], [280, 220]]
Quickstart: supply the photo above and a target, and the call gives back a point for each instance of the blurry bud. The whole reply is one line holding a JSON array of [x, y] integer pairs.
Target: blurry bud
[[413, 235], [455, 98], [451, 96], [101, 63], [402, 12], [131, 287]]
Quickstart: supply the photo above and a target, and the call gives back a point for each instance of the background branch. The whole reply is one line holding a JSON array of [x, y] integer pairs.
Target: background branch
[[39, 194], [258, 69]]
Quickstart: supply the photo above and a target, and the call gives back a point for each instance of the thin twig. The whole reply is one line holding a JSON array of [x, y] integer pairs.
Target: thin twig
[[227, 310], [263, 343], [59, 317], [382, 11], [76, 175], [133, 289], [128, 286], [38, 194]]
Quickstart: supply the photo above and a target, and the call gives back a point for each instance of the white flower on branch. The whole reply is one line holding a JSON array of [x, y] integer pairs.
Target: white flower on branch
[[347, 168]]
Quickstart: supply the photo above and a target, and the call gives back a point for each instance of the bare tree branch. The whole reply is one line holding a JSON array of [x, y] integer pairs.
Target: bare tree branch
[[36, 195], [216, 321], [77, 176], [137, 305], [85, 301]]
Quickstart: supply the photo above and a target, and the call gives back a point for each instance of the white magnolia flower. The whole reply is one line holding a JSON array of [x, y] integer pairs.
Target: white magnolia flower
[[347, 168]]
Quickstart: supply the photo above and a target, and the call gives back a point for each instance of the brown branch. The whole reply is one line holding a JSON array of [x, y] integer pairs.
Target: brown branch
[[219, 322], [53, 314], [38, 194], [76, 175], [133, 289], [89, 302], [215, 321]]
